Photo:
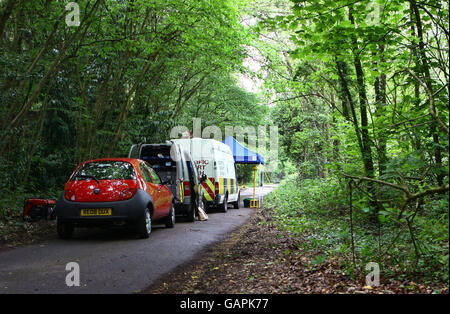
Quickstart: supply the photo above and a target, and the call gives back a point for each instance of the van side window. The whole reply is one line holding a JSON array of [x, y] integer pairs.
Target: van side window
[[145, 173]]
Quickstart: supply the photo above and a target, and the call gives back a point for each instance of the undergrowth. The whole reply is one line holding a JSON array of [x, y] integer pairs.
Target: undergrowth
[[316, 211]]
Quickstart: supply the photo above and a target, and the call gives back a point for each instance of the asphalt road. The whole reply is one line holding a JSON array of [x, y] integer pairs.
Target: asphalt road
[[115, 261]]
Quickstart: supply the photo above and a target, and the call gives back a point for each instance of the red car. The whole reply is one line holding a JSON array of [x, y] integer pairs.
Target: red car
[[114, 191]]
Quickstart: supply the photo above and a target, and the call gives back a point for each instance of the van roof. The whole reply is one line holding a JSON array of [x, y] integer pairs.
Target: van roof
[[206, 141]]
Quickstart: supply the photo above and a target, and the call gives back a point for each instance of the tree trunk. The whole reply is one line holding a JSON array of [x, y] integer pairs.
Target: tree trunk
[[6, 14], [380, 97], [365, 137], [426, 73]]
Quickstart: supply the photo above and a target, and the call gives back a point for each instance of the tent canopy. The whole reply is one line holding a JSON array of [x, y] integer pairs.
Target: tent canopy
[[241, 154]]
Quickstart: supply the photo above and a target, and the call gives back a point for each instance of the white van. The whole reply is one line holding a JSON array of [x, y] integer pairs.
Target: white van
[[215, 160], [173, 164]]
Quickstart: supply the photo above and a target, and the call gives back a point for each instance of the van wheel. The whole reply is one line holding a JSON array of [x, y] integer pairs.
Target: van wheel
[[144, 225], [237, 204], [170, 220], [64, 229], [224, 206]]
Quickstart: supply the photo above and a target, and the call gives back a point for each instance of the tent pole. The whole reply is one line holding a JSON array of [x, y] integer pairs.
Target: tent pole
[[254, 202]]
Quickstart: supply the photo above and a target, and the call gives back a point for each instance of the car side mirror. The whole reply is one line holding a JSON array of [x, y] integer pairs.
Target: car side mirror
[[203, 178]]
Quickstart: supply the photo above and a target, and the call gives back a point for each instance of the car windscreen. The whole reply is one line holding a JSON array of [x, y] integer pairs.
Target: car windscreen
[[105, 170]]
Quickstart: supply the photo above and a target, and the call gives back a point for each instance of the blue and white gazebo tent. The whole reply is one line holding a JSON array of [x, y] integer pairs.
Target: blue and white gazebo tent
[[241, 154]]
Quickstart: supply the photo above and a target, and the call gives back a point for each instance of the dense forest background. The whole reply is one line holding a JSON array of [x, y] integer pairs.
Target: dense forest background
[[362, 93], [358, 89], [127, 74]]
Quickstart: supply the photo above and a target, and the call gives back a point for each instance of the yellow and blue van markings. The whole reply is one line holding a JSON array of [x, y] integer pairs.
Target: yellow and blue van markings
[[221, 185], [233, 186], [227, 184]]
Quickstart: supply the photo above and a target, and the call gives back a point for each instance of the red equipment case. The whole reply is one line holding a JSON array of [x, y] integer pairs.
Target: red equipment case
[[39, 208]]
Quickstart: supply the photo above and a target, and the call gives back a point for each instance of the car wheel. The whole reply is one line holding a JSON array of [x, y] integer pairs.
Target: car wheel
[[170, 220], [237, 204], [65, 230], [224, 206], [144, 225]]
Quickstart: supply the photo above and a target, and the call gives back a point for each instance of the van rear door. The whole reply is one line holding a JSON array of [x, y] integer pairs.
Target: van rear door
[[135, 151], [159, 158]]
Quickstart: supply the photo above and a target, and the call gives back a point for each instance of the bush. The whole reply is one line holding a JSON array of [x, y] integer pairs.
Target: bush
[[316, 211]]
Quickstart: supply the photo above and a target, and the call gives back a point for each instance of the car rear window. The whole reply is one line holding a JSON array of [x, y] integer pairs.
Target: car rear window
[[106, 170]]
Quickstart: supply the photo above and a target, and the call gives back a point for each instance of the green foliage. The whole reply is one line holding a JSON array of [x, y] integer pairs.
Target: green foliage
[[316, 211], [352, 87]]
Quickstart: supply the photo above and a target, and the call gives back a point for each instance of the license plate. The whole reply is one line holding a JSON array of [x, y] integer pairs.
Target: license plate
[[96, 212]]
